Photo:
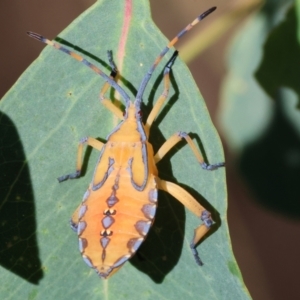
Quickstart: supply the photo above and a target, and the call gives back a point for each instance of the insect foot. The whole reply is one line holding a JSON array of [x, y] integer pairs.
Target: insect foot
[[69, 176], [209, 167]]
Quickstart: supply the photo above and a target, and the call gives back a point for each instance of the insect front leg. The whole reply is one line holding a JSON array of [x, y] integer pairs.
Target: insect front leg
[[107, 102], [192, 204], [176, 138], [89, 141], [161, 100]]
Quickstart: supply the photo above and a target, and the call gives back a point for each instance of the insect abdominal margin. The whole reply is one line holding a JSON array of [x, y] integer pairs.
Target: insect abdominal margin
[[117, 180]]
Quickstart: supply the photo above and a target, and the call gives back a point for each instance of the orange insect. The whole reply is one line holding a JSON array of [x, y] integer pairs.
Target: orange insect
[[119, 205]]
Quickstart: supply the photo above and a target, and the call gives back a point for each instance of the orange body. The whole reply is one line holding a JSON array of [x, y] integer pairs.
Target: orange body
[[119, 206]]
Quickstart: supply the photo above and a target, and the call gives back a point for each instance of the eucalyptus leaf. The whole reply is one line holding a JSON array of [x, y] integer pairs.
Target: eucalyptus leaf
[[54, 104]]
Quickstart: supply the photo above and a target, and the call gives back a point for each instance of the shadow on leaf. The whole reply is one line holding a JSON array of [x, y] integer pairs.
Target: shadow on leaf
[[19, 251]]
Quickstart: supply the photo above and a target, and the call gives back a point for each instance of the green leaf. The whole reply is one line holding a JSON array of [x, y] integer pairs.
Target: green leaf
[[52, 106]]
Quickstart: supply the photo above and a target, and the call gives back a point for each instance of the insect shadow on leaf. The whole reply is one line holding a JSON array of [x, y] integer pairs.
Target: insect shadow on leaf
[[19, 252]]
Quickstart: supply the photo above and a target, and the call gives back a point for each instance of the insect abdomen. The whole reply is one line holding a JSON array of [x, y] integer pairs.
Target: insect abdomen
[[114, 220]]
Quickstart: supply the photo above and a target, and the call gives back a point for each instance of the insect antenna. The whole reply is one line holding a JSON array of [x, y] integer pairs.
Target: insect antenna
[[84, 61], [147, 77]]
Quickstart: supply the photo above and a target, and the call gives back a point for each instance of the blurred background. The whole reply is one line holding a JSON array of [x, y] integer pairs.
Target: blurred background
[[260, 135]]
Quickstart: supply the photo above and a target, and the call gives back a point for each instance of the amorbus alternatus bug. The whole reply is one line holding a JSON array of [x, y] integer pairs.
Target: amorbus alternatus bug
[[119, 205]]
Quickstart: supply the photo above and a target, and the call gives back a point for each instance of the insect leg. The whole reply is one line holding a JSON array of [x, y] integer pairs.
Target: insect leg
[[91, 142], [192, 204], [177, 137], [161, 100], [107, 102]]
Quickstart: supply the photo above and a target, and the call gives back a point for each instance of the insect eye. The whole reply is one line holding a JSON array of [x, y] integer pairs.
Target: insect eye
[[140, 114]]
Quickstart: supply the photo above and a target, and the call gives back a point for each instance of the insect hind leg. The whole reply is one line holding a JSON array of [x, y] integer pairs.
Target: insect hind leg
[[199, 232], [195, 207]]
